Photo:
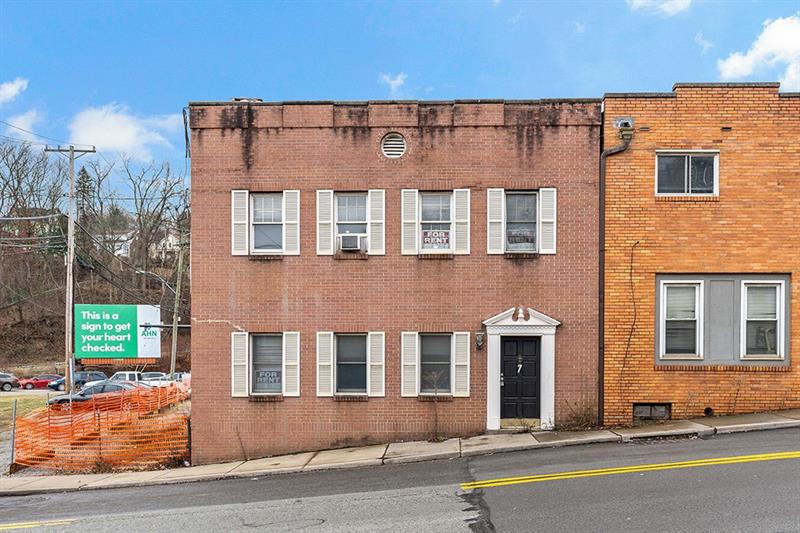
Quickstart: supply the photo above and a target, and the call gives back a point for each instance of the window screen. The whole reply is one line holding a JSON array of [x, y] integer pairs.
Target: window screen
[[435, 364], [680, 328], [267, 358], [267, 222], [520, 222], [762, 320], [351, 363], [351, 214], [435, 221]]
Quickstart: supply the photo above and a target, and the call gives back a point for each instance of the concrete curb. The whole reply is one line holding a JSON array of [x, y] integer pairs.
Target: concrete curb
[[387, 454]]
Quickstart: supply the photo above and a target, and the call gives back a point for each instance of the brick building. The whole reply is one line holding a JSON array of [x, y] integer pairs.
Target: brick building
[[702, 252], [352, 262]]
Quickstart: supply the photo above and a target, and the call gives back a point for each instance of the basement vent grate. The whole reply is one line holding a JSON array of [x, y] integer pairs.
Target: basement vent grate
[[393, 145], [652, 411]]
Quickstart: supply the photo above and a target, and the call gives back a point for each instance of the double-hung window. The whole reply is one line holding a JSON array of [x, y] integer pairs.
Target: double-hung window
[[436, 222], [435, 364], [762, 320], [520, 222], [351, 364], [266, 222], [681, 320], [351, 218], [687, 174], [266, 359]]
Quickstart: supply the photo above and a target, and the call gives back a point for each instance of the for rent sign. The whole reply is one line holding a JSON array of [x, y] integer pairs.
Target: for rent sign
[[117, 331]]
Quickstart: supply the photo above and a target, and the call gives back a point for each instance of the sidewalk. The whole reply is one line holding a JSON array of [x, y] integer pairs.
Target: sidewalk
[[403, 452]]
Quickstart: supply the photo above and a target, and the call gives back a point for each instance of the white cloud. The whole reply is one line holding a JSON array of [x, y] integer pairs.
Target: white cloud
[[580, 27], [702, 42], [113, 127], [394, 83], [667, 8], [516, 18], [11, 89], [25, 121], [496, 3], [776, 47]]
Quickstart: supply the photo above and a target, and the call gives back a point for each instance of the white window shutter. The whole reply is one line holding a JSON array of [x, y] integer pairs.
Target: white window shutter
[[291, 222], [547, 221], [461, 363], [240, 221], [495, 221], [409, 355], [240, 363], [376, 363], [291, 363], [409, 214], [376, 218], [461, 221], [325, 363], [325, 224]]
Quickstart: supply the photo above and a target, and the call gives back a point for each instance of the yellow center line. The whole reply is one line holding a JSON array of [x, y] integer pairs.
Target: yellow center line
[[500, 482], [39, 523]]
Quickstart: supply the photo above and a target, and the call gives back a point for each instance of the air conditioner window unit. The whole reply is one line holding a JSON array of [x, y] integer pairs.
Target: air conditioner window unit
[[350, 243]]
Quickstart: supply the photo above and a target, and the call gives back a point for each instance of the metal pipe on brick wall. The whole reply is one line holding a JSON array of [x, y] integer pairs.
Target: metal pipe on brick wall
[[626, 134]]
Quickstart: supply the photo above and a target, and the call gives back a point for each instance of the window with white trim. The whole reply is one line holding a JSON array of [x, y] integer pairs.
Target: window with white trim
[[687, 174], [266, 360], [520, 221], [351, 216], [266, 222], [435, 364], [681, 320], [351, 364], [762, 320], [436, 219]]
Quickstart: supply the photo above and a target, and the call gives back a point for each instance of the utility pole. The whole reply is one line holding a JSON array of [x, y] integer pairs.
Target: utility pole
[[70, 285], [174, 352]]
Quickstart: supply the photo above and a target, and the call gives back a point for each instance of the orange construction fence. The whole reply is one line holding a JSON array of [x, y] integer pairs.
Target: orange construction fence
[[118, 431]]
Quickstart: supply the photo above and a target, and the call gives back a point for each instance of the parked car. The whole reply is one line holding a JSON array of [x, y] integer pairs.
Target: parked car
[[8, 382], [86, 393], [160, 379], [81, 379], [38, 382], [182, 376]]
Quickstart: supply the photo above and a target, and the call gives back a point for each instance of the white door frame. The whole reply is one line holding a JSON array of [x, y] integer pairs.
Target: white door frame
[[514, 323]]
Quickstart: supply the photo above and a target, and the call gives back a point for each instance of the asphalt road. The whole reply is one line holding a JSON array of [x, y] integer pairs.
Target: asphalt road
[[761, 494]]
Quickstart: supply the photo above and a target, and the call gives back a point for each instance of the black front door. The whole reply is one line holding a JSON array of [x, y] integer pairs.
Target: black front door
[[520, 390]]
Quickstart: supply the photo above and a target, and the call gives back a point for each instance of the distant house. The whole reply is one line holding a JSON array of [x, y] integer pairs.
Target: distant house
[[119, 243], [167, 246]]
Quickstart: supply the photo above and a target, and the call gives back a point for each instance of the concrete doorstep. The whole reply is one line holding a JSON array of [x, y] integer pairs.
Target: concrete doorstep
[[400, 452]]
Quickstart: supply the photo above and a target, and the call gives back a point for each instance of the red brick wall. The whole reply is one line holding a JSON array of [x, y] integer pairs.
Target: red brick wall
[[752, 228], [336, 146]]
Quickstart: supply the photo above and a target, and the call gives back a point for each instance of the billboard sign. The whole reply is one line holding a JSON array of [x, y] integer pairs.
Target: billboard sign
[[117, 331]]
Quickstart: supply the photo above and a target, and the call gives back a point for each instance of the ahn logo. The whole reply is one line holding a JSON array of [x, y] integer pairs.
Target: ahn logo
[[149, 332]]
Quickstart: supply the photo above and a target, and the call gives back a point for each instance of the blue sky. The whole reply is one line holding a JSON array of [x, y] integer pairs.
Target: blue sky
[[116, 74]]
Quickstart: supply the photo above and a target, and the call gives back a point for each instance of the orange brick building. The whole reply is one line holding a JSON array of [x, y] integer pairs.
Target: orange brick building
[[353, 261], [702, 252]]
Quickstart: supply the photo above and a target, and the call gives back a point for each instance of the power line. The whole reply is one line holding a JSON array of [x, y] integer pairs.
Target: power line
[[21, 141], [96, 262], [40, 135], [39, 217]]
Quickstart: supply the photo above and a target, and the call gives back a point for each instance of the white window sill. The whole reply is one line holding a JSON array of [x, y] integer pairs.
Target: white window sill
[[754, 357], [679, 357]]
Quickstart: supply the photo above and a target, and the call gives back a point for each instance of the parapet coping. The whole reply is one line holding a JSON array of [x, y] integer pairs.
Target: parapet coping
[[398, 102]]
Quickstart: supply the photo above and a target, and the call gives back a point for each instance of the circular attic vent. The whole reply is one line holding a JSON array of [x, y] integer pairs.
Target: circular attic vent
[[393, 145]]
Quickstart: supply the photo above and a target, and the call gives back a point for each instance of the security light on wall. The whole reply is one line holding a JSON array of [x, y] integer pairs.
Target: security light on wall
[[479, 338]]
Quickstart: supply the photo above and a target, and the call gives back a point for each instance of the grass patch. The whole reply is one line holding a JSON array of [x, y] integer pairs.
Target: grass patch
[[25, 404]]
